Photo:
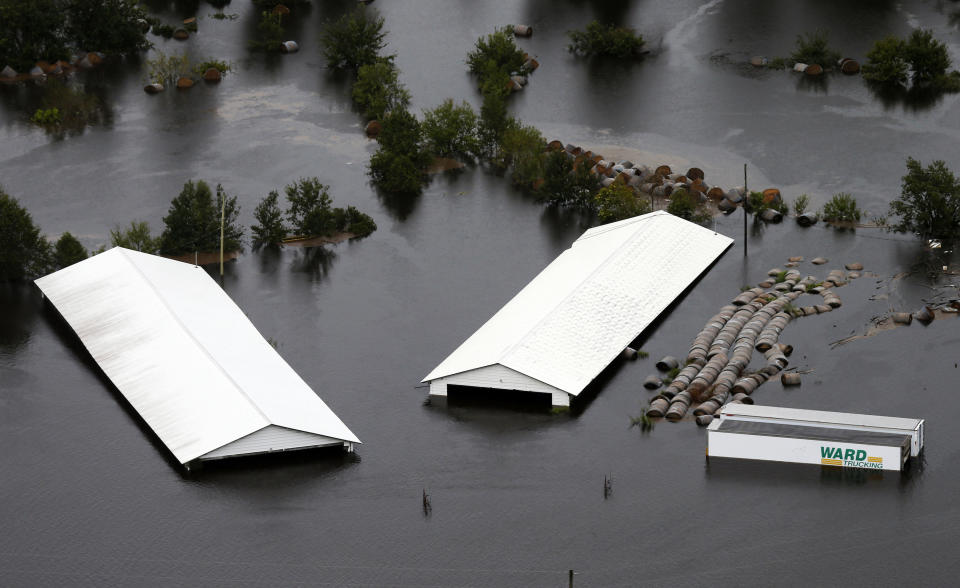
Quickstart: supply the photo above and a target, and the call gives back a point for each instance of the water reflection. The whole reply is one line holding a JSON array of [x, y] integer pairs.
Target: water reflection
[[314, 261], [814, 84], [751, 475], [914, 99], [20, 303], [78, 105]]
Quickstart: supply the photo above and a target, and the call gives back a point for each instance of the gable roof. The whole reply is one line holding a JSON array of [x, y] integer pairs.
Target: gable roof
[[182, 353], [571, 321]]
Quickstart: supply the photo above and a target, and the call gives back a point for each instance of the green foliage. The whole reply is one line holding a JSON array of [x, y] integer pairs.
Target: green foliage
[[270, 32], [167, 69], [311, 213], [354, 40], [928, 57], [398, 166], [886, 63], [815, 48], [162, 30], [778, 63], [606, 41], [222, 66], [781, 276], [619, 201], [68, 251], [494, 123], [495, 57], [223, 16], [76, 108], [687, 205], [24, 252], [378, 90], [193, 221], [46, 117], [110, 26], [643, 354], [565, 186], [800, 204], [523, 149], [136, 236], [842, 207], [270, 230], [929, 203], [30, 30], [451, 131]]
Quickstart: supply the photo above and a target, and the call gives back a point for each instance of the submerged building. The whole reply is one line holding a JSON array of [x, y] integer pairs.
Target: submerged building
[[188, 360], [566, 326]]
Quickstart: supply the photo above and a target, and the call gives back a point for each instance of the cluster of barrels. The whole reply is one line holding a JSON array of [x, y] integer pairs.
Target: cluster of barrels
[[714, 371]]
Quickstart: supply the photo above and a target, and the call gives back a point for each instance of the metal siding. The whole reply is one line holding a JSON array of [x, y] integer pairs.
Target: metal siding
[[498, 376], [819, 416], [573, 319], [182, 353], [271, 438]]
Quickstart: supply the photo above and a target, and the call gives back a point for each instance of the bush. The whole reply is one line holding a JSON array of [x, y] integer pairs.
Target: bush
[[222, 66], [378, 90], [270, 32], [402, 134], [396, 173], [193, 222], [523, 149], [167, 69], [800, 204], [565, 186], [606, 41], [886, 63], [46, 117], [136, 237], [687, 205], [24, 252], [351, 220], [619, 201], [270, 231], [30, 30], [929, 203], [68, 251], [494, 123], [162, 30], [815, 48], [451, 131], [110, 26], [310, 212], [842, 207], [928, 57], [495, 57], [353, 40]]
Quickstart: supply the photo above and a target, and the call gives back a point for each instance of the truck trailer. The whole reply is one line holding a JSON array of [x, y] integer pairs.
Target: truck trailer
[[833, 439]]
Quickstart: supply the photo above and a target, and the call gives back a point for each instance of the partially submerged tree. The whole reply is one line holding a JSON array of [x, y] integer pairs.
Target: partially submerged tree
[[688, 205], [451, 131], [30, 30], [886, 63], [353, 40], [566, 184], [928, 57], [606, 41], [920, 58], [378, 90], [842, 207], [269, 232], [619, 201], [522, 148], [111, 26], [136, 236], [24, 252], [399, 165], [814, 48], [495, 56], [68, 251], [929, 203], [311, 212], [193, 222]]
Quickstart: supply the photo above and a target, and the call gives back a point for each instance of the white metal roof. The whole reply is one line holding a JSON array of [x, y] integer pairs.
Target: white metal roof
[[182, 353], [573, 319], [819, 416]]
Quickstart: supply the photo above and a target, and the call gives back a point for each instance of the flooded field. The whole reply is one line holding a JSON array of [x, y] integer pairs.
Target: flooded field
[[90, 497]]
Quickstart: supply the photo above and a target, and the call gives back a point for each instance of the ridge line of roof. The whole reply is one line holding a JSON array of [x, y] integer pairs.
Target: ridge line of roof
[[190, 334]]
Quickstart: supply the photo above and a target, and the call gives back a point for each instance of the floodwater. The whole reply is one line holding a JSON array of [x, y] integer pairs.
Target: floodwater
[[88, 496]]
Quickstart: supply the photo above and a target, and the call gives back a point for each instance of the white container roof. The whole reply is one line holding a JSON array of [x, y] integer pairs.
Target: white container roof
[[183, 354], [573, 319], [800, 415]]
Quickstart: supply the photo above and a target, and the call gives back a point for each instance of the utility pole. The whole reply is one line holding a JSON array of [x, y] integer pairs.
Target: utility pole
[[223, 216], [746, 196]]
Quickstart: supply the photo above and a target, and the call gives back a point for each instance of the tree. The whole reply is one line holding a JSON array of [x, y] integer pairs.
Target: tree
[[310, 212], [609, 41], [687, 205], [30, 30], [523, 149], [378, 90], [885, 62], [842, 207], [353, 40], [451, 131], [136, 237], [111, 26], [24, 252], [929, 203], [619, 201], [497, 53], [567, 185], [928, 57], [399, 165], [68, 251], [814, 48], [193, 221], [270, 231], [494, 123]]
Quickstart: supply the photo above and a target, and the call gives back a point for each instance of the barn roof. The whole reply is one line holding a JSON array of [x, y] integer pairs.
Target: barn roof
[[584, 308], [185, 356]]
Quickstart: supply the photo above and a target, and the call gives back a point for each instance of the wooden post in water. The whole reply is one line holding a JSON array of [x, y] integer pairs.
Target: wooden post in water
[[571, 578], [223, 216], [746, 195]]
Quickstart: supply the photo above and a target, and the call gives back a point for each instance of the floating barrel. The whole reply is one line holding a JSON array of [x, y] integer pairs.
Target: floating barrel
[[629, 353], [806, 219], [652, 382], [924, 315], [772, 196], [184, 83], [726, 207], [155, 88], [522, 30], [813, 70], [663, 170], [704, 420], [791, 379], [849, 66], [854, 266], [715, 193], [668, 363], [658, 407], [743, 398], [771, 215], [695, 173], [800, 67], [734, 196], [181, 34], [902, 318]]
